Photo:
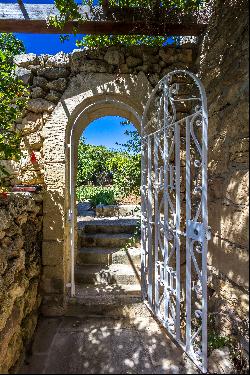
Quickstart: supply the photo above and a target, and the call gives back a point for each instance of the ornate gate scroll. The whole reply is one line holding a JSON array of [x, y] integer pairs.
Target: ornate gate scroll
[[174, 210]]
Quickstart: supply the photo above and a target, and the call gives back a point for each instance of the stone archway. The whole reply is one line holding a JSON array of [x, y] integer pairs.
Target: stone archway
[[87, 98]]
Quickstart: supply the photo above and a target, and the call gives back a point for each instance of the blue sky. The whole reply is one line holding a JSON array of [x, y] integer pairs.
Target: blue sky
[[105, 131]]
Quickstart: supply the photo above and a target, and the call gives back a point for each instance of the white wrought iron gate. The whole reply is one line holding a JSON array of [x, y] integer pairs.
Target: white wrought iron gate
[[174, 210]]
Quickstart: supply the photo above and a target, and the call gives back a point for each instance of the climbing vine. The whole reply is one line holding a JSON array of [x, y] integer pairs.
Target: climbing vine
[[174, 8], [13, 98]]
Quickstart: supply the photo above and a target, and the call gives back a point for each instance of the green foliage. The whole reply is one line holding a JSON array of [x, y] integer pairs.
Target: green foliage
[[99, 167], [92, 164], [69, 11], [10, 45], [95, 41], [13, 97], [126, 170], [216, 341], [133, 145], [98, 195]]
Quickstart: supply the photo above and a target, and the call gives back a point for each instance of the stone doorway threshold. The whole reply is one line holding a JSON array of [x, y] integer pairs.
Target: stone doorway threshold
[[99, 345], [84, 210]]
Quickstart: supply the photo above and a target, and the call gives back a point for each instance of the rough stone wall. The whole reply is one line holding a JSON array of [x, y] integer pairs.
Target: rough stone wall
[[61, 86], [20, 253], [49, 76], [223, 68]]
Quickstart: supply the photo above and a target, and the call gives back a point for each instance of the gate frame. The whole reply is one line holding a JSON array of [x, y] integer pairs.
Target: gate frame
[[147, 287]]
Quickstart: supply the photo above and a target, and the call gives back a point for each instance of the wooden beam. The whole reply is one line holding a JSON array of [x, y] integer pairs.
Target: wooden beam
[[101, 28], [33, 18]]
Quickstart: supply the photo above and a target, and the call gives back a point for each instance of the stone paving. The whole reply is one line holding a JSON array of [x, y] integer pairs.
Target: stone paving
[[104, 346], [108, 329]]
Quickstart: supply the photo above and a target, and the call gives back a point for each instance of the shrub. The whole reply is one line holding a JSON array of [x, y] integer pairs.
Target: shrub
[[126, 170], [99, 166], [98, 195], [92, 165]]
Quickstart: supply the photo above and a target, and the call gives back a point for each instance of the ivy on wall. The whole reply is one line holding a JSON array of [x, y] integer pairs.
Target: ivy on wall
[[13, 98]]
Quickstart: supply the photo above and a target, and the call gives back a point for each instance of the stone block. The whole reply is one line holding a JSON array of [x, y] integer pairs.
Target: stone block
[[52, 253], [168, 55], [40, 105], [218, 156], [228, 222], [53, 73], [133, 62], [237, 188], [50, 272], [37, 92], [230, 259], [124, 69], [24, 75], [54, 96], [150, 59], [92, 66], [54, 175], [31, 297], [24, 60], [33, 141], [5, 219], [40, 82], [53, 223], [114, 56], [53, 285], [32, 122], [239, 152], [58, 85], [60, 60], [30, 178], [53, 305]]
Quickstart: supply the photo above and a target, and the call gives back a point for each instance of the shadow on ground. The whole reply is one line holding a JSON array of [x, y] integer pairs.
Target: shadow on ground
[[104, 346]]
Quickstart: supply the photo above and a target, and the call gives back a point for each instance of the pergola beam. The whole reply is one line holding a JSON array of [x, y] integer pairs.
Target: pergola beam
[[33, 18], [101, 28]]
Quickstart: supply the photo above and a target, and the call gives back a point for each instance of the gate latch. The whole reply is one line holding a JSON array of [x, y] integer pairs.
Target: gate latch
[[197, 232]]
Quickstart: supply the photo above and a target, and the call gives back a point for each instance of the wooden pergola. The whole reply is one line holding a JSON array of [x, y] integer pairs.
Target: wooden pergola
[[33, 18]]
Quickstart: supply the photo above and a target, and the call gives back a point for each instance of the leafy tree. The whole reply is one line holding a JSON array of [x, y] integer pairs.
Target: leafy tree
[[92, 164], [126, 170], [69, 11], [100, 167], [133, 144], [13, 97]]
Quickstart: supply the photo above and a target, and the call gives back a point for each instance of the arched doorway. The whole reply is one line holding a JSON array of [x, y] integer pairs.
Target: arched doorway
[[88, 97]]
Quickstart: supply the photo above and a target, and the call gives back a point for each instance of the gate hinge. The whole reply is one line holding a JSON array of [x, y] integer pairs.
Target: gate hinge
[[69, 216]]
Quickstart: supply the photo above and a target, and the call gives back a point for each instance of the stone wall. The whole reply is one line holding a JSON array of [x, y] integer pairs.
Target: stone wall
[[49, 76], [20, 253], [114, 81], [223, 67]]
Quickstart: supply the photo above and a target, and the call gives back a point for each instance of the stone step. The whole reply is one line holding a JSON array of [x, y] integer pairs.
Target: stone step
[[108, 226], [106, 294], [104, 240], [99, 300], [118, 211], [113, 274], [132, 310], [109, 256]]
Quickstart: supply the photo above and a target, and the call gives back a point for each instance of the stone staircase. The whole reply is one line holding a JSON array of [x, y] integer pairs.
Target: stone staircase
[[107, 270]]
